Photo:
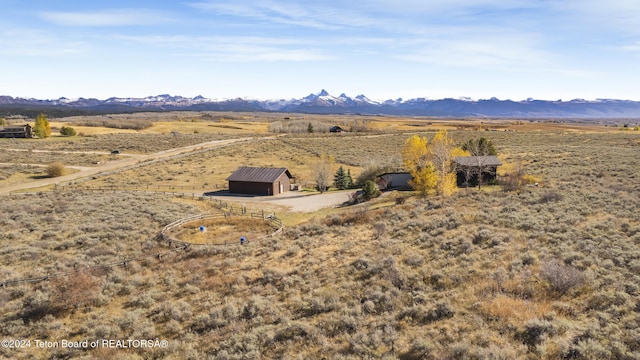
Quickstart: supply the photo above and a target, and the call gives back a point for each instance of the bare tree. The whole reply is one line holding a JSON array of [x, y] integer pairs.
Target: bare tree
[[480, 163], [323, 173]]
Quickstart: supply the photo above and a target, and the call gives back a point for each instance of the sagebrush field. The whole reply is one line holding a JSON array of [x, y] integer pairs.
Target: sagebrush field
[[549, 271]]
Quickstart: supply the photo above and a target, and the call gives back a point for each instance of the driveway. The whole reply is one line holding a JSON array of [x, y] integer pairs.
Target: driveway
[[295, 201], [310, 203]]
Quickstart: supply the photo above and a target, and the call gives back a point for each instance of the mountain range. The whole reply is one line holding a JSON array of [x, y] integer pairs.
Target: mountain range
[[324, 103]]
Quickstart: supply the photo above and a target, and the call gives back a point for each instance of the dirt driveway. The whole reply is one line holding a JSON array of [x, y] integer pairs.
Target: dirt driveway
[[310, 203], [295, 201]]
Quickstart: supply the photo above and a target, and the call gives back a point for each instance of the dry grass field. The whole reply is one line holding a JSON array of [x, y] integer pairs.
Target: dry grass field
[[547, 272]]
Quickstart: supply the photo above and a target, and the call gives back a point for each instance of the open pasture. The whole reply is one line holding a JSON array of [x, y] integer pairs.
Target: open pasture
[[546, 272]]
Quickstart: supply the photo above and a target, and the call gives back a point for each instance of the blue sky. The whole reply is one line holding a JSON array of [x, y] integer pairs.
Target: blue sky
[[509, 49]]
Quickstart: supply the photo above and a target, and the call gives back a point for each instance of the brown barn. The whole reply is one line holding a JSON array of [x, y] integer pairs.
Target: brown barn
[[259, 181], [21, 131], [471, 169]]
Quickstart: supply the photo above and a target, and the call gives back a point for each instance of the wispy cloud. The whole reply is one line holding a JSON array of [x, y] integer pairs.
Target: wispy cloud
[[107, 17], [234, 48], [29, 42], [316, 15]]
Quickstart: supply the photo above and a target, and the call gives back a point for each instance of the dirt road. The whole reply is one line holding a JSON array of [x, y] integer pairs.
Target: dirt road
[[111, 166]]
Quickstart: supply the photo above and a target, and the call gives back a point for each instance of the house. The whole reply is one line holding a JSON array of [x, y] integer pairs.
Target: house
[[21, 131], [470, 169], [337, 129], [394, 180], [259, 181]]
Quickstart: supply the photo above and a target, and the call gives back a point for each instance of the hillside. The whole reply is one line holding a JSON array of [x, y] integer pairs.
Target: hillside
[[548, 272]]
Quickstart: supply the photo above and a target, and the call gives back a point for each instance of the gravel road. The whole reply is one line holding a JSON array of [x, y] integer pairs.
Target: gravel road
[[116, 165]]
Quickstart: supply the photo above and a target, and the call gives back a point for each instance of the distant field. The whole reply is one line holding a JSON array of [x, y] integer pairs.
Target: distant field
[[546, 272]]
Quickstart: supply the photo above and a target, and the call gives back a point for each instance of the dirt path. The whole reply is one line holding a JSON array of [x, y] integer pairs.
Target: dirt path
[[73, 152], [119, 164]]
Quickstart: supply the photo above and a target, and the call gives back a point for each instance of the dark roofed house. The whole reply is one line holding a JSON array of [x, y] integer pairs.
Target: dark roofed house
[[470, 169], [21, 131], [337, 129], [259, 181]]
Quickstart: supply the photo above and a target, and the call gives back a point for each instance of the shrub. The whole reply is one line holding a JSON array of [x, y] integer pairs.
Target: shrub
[[550, 196], [533, 331], [370, 174], [55, 169], [67, 131], [75, 290], [560, 277], [370, 190]]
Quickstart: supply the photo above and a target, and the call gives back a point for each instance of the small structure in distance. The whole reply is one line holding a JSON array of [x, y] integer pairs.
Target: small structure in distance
[[17, 131]]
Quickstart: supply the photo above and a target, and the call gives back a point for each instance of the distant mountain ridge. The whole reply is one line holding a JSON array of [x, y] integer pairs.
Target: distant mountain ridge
[[324, 103]]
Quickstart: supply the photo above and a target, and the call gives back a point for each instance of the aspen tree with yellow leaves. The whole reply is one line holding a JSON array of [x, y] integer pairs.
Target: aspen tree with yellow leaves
[[431, 165]]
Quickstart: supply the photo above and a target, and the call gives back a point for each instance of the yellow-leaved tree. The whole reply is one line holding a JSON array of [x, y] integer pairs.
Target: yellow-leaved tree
[[42, 128], [416, 159], [432, 165]]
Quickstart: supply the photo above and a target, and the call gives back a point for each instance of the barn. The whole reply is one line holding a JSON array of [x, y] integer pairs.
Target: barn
[[20, 131], [470, 169], [259, 181]]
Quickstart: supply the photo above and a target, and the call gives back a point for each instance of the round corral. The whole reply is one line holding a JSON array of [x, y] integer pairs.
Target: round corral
[[221, 229]]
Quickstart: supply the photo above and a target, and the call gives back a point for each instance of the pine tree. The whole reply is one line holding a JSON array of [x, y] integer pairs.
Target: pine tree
[[310, 128], [340, 179], [349, 179]]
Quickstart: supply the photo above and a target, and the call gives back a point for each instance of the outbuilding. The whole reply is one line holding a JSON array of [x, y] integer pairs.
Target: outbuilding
[[17, 131], [472, 170], [259, 181]]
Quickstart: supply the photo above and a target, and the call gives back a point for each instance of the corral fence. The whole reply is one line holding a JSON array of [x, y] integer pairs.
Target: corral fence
[[227, 211]]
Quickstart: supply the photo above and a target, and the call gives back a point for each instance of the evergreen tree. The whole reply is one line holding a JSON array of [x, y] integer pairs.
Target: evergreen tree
[[310, 128], [349, 179], [340, 179]]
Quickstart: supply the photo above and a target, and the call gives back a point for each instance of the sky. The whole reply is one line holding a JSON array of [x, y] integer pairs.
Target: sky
[[270, 49]]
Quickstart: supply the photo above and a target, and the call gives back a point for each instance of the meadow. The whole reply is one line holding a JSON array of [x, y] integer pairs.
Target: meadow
[[545, 272]]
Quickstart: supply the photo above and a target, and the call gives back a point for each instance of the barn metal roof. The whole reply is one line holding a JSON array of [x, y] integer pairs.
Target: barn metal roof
[[258, 174], [477, 161]]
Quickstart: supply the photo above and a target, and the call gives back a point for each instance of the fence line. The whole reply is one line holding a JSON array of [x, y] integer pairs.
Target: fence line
[[174, 244]]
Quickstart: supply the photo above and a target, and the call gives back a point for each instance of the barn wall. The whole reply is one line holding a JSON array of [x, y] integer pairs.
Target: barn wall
[[286, 184], [252, 188]]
